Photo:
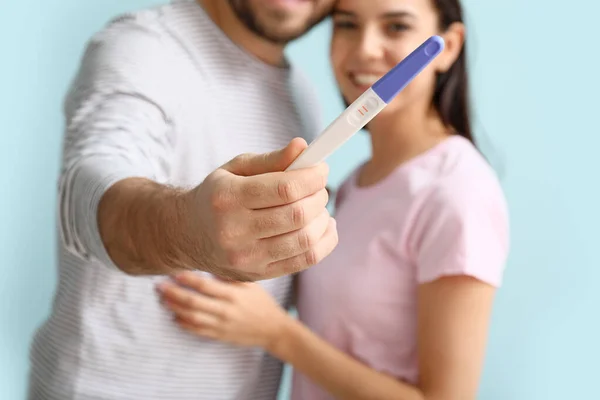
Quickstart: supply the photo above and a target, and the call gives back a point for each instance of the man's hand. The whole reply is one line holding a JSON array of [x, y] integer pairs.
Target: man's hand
[[249, 220]]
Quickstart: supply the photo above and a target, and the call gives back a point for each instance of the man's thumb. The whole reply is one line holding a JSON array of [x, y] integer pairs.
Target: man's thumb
[[275, 161]]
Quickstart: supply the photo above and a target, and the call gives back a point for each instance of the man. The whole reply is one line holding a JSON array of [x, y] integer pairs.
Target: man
[[163, 98]]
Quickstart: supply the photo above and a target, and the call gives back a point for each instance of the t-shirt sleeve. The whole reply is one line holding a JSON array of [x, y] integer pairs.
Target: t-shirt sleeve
[[118, 125], [461, 231]]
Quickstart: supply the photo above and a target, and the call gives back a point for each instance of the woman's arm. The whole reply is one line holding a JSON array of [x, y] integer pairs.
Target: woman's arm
[[333, 370], [453, 322], [454, 315]]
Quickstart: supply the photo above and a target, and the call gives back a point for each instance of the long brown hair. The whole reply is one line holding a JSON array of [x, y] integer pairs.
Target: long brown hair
[[451, 97]]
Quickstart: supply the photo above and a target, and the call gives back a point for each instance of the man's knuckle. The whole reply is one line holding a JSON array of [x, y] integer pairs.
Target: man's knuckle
[[286, 190], [311, 257], [237, 259], [222, 199], [226, 238], [298, 216], [241, 158], [304, 239], [241, 161]]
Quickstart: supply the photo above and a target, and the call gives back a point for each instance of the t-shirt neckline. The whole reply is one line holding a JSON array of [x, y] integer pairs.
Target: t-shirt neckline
[[400, 169]]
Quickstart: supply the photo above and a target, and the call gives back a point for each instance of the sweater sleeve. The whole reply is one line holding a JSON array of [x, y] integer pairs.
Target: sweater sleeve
[[118, 117]]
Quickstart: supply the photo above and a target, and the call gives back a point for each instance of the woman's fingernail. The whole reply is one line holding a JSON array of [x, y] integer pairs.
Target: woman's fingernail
[[179, 276], [161, 287]]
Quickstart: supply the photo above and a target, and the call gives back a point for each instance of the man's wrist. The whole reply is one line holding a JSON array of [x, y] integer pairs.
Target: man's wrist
[[161, 215], [140, 222]]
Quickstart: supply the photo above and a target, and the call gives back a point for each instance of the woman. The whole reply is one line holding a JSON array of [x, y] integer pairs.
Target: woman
[[401, 308]]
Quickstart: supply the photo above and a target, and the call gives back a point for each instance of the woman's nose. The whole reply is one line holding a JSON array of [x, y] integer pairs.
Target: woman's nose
[[369, 46]]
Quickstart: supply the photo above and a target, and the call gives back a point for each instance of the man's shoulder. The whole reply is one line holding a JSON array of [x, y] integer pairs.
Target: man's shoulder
[[158, 22], [132, 27], [136, 44], [134, 52]]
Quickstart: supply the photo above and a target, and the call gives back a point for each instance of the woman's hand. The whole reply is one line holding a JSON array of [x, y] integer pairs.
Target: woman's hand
[[238, 313]]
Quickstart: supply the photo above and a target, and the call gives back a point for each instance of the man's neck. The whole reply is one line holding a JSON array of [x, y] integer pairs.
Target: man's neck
[[224, 17]]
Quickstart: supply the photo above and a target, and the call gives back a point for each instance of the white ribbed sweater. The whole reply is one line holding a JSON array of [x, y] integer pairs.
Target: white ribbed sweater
[[163, 94]]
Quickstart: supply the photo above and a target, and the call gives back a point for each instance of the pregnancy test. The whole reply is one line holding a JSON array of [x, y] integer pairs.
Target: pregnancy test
[[369, 104]]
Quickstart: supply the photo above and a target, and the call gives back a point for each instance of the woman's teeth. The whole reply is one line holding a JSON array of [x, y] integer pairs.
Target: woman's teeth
[[365, 79]]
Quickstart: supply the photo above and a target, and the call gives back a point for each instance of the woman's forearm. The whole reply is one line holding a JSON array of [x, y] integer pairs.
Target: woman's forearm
[[335, 371]]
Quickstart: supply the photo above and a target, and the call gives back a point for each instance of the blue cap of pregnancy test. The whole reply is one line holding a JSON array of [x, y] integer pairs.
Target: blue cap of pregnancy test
[[392, 83]]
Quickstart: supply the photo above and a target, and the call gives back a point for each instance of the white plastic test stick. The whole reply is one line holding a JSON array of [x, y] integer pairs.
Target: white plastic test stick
[[369, 104]]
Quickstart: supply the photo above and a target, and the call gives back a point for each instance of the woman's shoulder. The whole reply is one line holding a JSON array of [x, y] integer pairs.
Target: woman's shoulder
[[462, 188], [454, 171], [465, 175], [461, 218]]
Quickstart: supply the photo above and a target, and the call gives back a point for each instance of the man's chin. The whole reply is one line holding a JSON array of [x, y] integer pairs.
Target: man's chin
[[285, 36], [277, 27]]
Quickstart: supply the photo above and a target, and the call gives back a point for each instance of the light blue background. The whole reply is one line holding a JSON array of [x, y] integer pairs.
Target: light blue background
[[536, 86]]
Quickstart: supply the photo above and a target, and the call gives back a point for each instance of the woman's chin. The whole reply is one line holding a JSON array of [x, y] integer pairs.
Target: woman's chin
[[350, 93]]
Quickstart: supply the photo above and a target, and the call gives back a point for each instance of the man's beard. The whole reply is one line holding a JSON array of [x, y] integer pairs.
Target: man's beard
[[244, 12]]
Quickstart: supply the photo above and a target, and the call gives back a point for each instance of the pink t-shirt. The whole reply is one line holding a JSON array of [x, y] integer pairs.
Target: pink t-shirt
[[441, 213]]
